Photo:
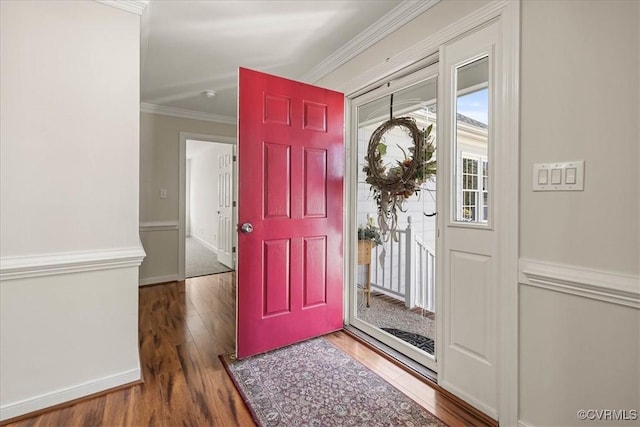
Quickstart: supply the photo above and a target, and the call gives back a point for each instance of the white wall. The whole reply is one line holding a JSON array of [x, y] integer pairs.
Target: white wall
[[159, 168], [580, 100], [576, 353], [69, 131], [69, 127], [203, 193]]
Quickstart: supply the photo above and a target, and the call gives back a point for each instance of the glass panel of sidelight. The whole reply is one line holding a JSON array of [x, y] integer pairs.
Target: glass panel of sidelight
[[471, 143]]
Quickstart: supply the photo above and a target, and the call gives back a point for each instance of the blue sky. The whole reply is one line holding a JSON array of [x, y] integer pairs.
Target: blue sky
[[475, 105]]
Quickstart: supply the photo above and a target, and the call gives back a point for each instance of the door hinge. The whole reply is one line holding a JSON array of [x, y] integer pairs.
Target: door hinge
[[234, 204], [233, 250], [235, 158]]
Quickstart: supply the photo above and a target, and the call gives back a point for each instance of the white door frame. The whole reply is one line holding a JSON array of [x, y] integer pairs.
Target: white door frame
[[508, 13], [182, 190]]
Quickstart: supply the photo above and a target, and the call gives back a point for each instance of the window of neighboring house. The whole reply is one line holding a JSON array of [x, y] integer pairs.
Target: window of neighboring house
[[474, 206]]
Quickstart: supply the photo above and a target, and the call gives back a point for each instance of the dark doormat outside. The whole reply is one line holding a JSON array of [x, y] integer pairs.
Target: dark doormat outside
[[314, 383], [416, 340]]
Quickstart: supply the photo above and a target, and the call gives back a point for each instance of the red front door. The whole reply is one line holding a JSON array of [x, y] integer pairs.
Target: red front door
[[291, 170]]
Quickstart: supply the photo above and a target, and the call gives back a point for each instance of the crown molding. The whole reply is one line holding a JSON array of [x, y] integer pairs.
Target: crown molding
[[394, 19], [186, 114], [133, 6], [427, 46]]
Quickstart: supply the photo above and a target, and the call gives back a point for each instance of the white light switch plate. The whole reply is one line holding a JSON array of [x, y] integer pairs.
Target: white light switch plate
[[559, 176]]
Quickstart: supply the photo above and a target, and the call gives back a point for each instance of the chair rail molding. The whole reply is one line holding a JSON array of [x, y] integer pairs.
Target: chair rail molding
[[21, 267], [146, 226], [599, 285]]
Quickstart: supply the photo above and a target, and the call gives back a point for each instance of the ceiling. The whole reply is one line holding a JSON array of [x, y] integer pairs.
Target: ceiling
[[189, 47]]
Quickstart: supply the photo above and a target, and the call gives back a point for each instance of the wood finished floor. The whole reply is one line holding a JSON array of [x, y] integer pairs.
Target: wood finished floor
[[184, 326]]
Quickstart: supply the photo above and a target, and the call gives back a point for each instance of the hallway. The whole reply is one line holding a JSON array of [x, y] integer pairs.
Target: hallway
[[184, 326], [200, 260]]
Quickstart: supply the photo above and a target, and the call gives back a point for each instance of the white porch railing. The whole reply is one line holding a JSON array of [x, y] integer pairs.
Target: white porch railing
[[407, 270]]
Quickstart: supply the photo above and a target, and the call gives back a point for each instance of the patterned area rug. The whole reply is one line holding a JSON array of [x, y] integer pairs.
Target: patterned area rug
[[314, 383], [416, 340]]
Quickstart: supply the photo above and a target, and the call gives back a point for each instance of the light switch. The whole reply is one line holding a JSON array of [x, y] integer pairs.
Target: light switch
[[543, 177], [558, 176], [163, 193]]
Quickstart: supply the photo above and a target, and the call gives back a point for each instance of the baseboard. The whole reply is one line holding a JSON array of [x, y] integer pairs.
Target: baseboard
[[21, 267], [523, 424], [47, 400], [599, 285], [204, 243], [158, 279], [469, 399]]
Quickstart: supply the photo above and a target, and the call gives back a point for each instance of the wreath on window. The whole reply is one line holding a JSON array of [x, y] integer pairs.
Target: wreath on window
[[392, 186]]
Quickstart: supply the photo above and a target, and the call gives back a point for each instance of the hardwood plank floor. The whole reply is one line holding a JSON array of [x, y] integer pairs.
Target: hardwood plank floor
[[184, 326]]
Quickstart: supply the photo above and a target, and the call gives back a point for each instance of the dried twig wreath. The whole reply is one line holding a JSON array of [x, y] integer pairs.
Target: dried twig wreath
[[393, 186]]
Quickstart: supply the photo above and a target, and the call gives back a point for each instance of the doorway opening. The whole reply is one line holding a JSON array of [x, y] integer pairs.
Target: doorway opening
[[207, 205], [393, 286]]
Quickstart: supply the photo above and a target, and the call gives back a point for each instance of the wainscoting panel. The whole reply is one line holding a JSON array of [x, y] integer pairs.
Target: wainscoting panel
[[579, 344], [66, 336], [161, 246]]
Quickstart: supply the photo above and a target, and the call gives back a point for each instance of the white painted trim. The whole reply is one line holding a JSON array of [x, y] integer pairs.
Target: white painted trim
[[148, 226], [394, 19], [186, 114], [133, 6], [182, 188], [509, 14], [47, 400], [508, 241], [523, 424], [21, 267], [467, 397], [145, 31], [422, 48], [599, 285], [158, 279], [204, 243]]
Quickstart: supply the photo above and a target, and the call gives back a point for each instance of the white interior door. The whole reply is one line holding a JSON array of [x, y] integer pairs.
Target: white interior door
[[469, 256], [225, 207]]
